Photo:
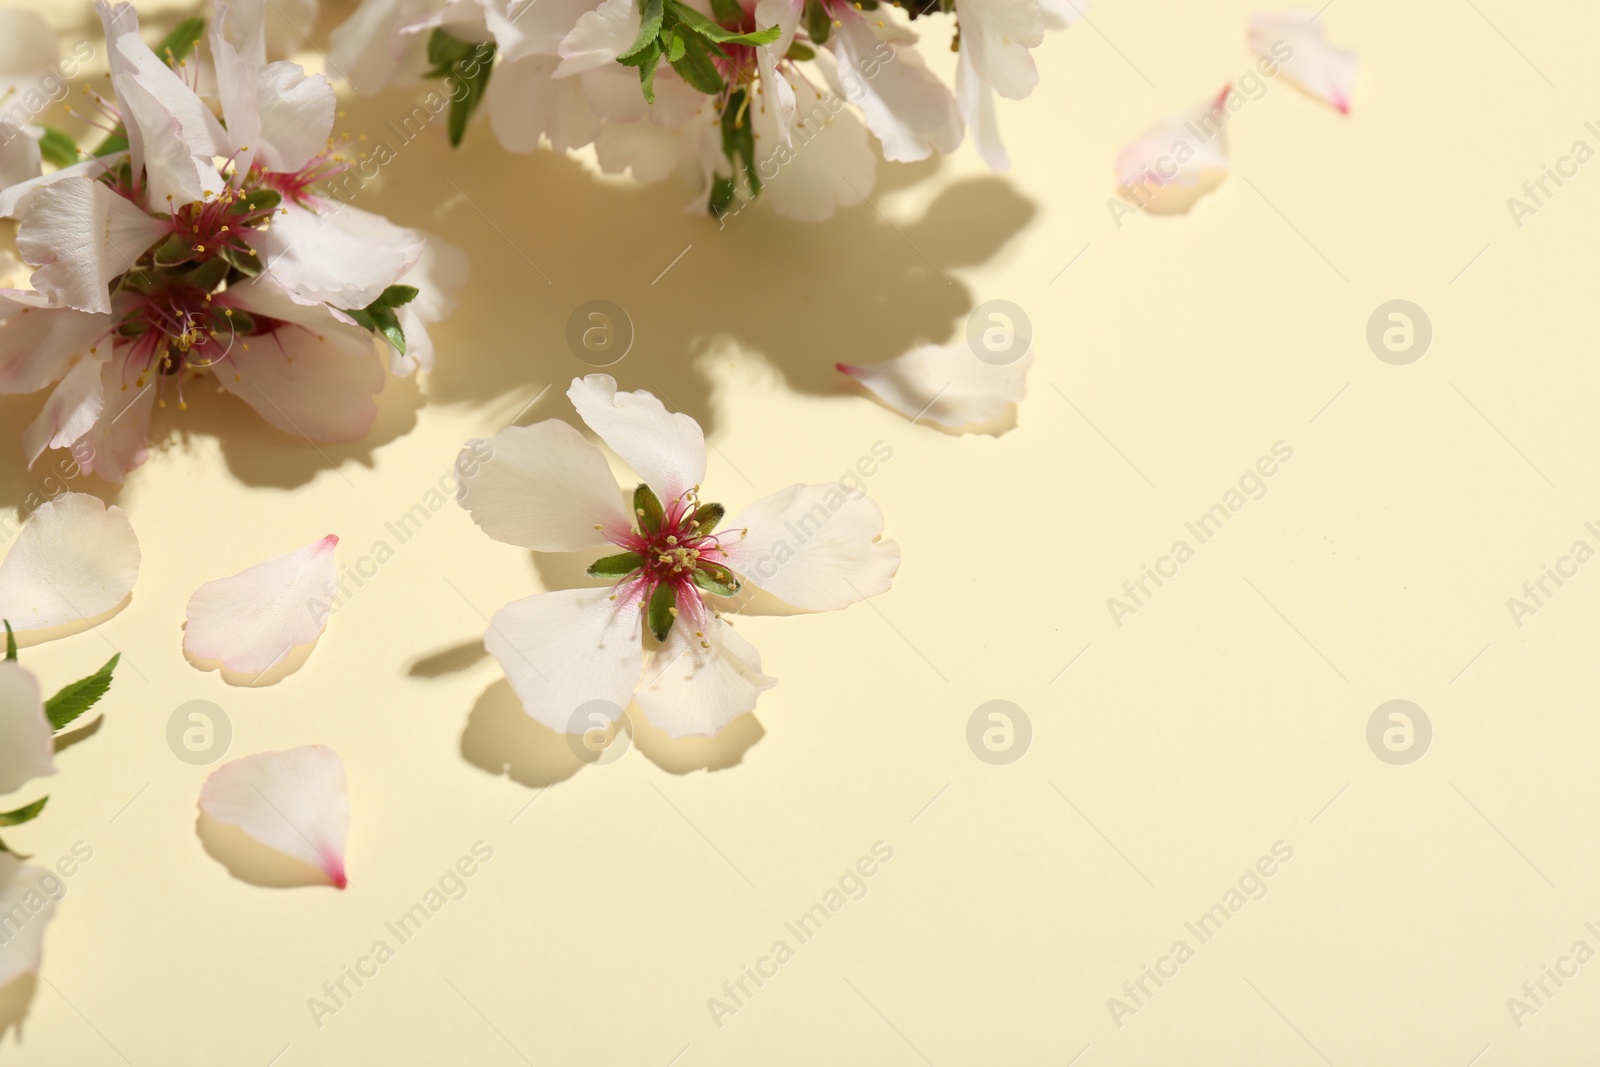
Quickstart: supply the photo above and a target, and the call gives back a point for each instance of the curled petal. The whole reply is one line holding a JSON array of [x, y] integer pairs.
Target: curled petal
[[1296, 41], [666, 449], [27, 745], [542, 487], [75, 559], [998, 34], [251, 621], [72, 411], [563, 651], [816, 547], [1178, 160], [28, 904], [295, 802], [949, 387], [342, 256], [81, 235], [698, 683], [179, 135]]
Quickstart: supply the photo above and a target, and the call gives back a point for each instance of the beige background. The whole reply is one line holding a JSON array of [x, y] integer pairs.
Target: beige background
[[1227, 715]]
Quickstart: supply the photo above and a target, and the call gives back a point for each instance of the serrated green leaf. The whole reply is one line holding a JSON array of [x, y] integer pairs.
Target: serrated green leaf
[[697, 22], [647, 509], [651, 14], [727, 11], [389, 326], [715, 578], [675, 45], [661, 618], [397, 295], [618, 566], [696, 67], [818, 22], [177, 45], [26, 813], [11, 643], [57, 147], [477, 84], [80, 696], [707, 516]]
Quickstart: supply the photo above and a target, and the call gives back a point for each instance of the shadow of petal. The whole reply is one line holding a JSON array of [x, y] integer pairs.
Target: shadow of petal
[[252, 862], [450, 660], [501, 738], [291, 661]]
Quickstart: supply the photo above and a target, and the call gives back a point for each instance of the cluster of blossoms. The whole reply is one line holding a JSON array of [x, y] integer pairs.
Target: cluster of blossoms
[[742, 97], [193, 242]]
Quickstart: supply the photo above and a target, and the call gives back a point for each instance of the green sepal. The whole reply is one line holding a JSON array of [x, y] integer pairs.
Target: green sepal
[[715, 578], [133, 328], [661, 618], [243, 324], [618, 566], [176, 249], [800, 52], [240, 260], [26, 813], [177, 45], [695, 66], [11, 643], [79, 697], [257, 201], [697, 22], [707, 516], [208, 275], [57, 147], [818, 23], [647, 509]]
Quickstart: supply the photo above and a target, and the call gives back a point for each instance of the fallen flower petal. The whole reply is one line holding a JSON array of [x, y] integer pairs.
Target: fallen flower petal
[[251, 621], [1296, 41], [296, 802], [74, 560], [948, 386], [1178, 160], [27, 746]]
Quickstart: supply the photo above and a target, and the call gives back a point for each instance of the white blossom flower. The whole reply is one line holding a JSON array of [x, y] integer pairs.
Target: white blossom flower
[[546, 488]]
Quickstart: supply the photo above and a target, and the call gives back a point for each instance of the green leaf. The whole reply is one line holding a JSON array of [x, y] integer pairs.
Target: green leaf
[[116, 141], [715, 578], [58, 148], [177, 45], [397, 296], [388, 325], [11, 643], [79, 697], [661, 618], [818, 22], [647, 509], [728, 11], [363, 318], [27, 813], [697, 22], [651, 13], [451, 57], [477, 84], [175, 250], [243, 324], [800, 52], [707, 516], [722, 193], [695, 66], [738, 141], [623, 563], [445, 50]]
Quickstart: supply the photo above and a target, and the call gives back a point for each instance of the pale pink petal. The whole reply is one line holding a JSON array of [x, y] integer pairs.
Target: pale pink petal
[[948, 386], [440, 273], [13, 196], [75, 559], [251, 621], [816, 547], [71, 411], [179, 134], [907, 108], [525, 102], [1178, 160], [317, 384], [296, 802], [666, 449], [542, 487], [976, 100], [827, 162], [1294, 39], [38, 345], [1061, 14], [119, 442], [342, 256], [698, 683], [563, 650], [297, 111], [27, 743], [81, 235], [997, 35], [28, 898], [367, 49], [599, 37]]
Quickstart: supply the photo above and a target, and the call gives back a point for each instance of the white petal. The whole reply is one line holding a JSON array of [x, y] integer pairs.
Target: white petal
[[343, 256], [599, 37], [296, 116], [906, 106], [75, 559], [536, 27], [997, 35], [1178, 160], [367, 49], [816, 547], [976, 100], [785, 14], [666, 449], [947, 386], [28, 900], [525, 102], [71, 411], [81, 235], [541, 487], [27, 744], [10, 198], [179, 134], [20, 160], [315, 383], [1296, 41], [563, 650], [827, 165], [1061, 14], [295, 802], [119, 442], [440, 273], [251, 621], [692, 690], [38, 345]]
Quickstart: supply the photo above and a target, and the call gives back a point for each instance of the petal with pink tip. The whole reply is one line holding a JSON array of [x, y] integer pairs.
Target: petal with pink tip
[[28, 903], [948, 386], [251, 621], [296, 802], [81, 235], [74, 560], [1296, 41], [816, 547], [27, 745], [1178, 160], [564, 650], [698, 683], [543, 487], [667, 449]]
